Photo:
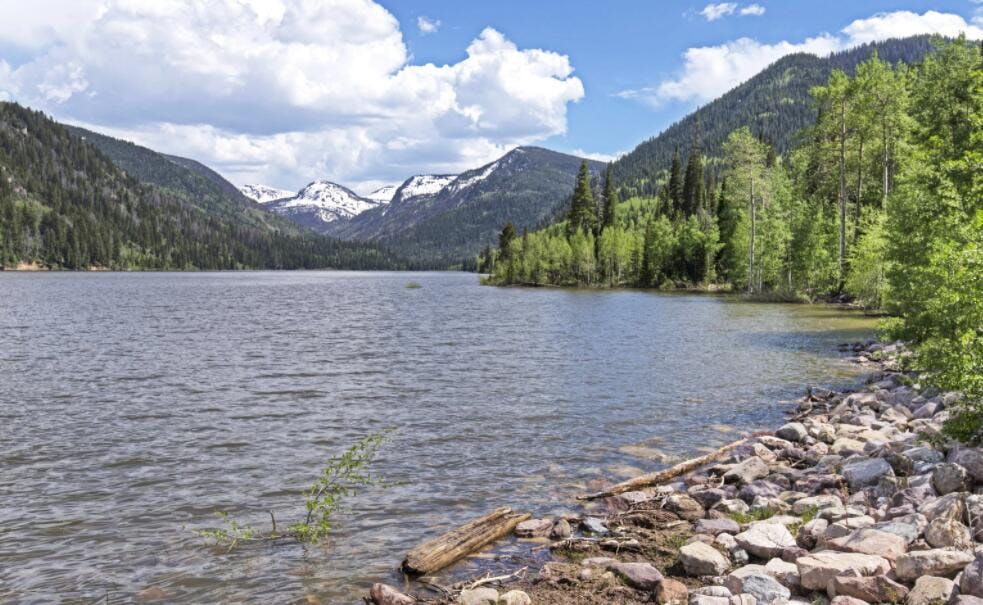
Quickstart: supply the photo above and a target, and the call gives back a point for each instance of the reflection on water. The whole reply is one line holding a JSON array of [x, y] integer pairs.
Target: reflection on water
[[135, 405]]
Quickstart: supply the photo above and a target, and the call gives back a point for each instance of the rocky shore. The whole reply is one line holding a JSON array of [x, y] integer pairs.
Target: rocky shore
[[857, 499]]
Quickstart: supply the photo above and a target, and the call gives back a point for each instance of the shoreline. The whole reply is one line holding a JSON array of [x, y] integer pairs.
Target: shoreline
[[856, 499]]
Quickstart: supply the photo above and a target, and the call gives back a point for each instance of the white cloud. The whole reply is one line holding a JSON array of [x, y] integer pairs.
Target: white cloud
[[427, 25], [599, 157], [283, 91], [753, 10], [712, 12], [710, 71]]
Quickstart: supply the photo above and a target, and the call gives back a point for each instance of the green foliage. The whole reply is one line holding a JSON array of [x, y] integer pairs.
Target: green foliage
[[757, 514], [583, 209], [867, 280], [229, 536]]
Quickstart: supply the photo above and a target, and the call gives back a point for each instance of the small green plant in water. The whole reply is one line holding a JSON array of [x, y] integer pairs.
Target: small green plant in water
[[413, 285], [342, 477]]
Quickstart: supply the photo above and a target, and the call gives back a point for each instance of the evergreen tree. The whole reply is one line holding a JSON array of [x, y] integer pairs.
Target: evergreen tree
[[610, 201], [693, 194], [676, 183], [505, 239], [583, 210]]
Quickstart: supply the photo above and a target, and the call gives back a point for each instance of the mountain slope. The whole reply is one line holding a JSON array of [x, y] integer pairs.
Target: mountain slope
[[64, 203], [775, 104], [443, 220], [261, 194], [320, 203]]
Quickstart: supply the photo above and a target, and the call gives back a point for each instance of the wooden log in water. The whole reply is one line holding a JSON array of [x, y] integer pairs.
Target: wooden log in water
[[440, 552], [664, 476]]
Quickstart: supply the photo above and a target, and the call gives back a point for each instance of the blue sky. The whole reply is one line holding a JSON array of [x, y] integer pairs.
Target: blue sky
[[369, 92]]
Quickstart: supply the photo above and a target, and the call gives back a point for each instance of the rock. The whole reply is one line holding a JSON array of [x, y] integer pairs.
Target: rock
[[846, 527], [708, 497], [712, 591], [815, 503], [809, 533], [716, 526], [787, 573], [514, 597], [908, 531], [793, 431], [971, 582], [383, 594], [747, 471], [734, 581], [685, 506], [818, 568], [594, 525], [951, 506], [533, 528], [965, 599], [671, 592], [699, 559], [765, 589], [950, 477], [561, 529], [948, 533], [765, 540], [641, 576], [478, 596], [845, 600], [698, 599], [930, 590], [969, 458], [974, 512], [873, 589], [934, 562], [743, 599], [862, 473], [871, 542], [732, 506]]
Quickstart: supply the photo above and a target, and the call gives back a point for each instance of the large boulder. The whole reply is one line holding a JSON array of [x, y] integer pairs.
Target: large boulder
[[533, 528], [865, 472], [765, 589], [934, 562], [793, 431], [818, 568], [716, 526], [950, 477], [684, 506], [785, 572], [948, 533], [871, 542], [514, 597], [700, 559], [950, 506], [970, 458], [971, 582], [931, 590], [671, 592], [478, 596], [765, 540], [815, 503], [383, 594]]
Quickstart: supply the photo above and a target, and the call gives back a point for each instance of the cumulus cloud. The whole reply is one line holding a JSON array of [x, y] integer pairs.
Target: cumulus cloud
[[753, 10], [427, 25], [710, 71], [283, 91], [712, 12], [599, 157]]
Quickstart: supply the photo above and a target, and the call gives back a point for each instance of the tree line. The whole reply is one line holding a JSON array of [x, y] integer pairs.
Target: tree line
[[882, 203]]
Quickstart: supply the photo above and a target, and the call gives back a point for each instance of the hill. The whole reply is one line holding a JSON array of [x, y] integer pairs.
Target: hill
[[775, 104], [74, 199]]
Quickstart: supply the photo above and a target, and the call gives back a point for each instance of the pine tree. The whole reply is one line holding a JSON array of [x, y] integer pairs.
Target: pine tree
[[693, 194], [610, 201], [583, 211], [676, 183], [505, 239]]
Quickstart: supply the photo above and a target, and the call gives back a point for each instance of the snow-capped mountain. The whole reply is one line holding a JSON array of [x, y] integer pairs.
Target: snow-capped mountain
[[322, 202], [422, 185], [264, 194], [383, 195]]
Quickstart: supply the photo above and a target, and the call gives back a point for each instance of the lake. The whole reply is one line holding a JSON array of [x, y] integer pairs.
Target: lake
[[134, 406]]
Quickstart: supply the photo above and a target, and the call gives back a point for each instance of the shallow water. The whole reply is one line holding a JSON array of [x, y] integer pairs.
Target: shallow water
[[133, 406]]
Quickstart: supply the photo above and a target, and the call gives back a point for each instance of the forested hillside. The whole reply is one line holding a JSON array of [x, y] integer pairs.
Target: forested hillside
[[775, 105], [882, 202], [65, 204]]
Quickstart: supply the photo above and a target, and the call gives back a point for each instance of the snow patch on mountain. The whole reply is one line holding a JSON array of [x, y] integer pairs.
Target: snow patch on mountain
[[463, 181], [383, 195], [263, 194], [423, 184], [328, 201]]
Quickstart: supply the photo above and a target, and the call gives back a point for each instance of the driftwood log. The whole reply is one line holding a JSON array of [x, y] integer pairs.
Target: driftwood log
[[660, 477], [440, 552]]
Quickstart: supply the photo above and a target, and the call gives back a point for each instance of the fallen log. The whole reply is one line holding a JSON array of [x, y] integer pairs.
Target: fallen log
[[440, 552], [660, 477]]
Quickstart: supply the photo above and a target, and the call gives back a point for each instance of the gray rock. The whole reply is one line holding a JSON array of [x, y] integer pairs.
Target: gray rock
[[907, 531], [684, 506], [871, 542], [698, 599], [969, 458], [716, 526], [478, 596], [743, 599], [383, 594], [934, 562], [641, 576], [787, 573], [712, 591], [699, 559], [514, 597], [561, 529], [765, 589], [534, 527], [873, 589], [971, 581], [594, 525], [845, 600], [793, 431], [965, 599], [930, 590], [948, 533], [951, 506], [862, 473], [765, 540], [815, 503], [810, 533], [747, 471], [950, 477]]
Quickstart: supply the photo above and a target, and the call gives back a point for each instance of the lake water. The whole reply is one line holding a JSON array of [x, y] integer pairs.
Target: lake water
[[133, 406]]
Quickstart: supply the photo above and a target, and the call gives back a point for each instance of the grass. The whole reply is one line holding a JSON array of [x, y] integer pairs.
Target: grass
[[759, 514], [413, 285]]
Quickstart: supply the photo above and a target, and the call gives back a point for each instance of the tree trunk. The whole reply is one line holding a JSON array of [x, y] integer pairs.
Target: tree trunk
[[440, 552], [860, 188], [842, 196], [886, 185]]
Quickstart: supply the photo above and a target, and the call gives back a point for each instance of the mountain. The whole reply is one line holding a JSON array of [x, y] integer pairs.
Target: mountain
[[75, 199], [322, 203], [383, 195], [445, 220], [261, 194], [775, 103]]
